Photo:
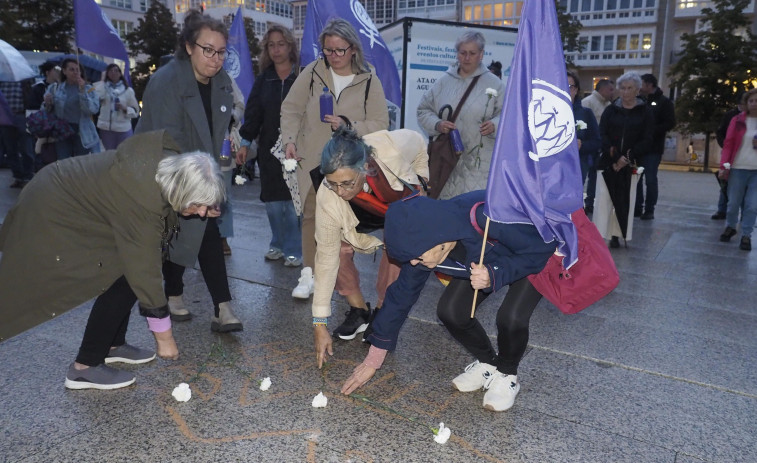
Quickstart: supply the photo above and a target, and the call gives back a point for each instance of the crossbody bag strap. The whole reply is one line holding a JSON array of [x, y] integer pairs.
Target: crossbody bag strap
[[406, 184], [465, 97]]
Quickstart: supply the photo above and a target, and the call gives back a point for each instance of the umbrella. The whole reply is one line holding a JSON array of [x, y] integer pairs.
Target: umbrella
[[619, 188], [13, 66], [93, 67]]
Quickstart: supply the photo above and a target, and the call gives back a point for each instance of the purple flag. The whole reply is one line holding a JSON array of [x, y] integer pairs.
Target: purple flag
[[238, 63], [374, 48], [535, 174], [95, 33]]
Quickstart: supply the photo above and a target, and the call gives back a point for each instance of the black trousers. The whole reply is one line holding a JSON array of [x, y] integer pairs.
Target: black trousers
[[513, 318], [212, 266], [107, 323]]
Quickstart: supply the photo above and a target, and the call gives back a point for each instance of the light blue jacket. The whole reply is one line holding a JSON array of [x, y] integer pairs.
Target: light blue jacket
[[89, 105]]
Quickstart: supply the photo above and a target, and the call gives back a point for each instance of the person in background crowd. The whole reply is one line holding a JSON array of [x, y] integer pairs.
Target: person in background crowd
[[738, 165], [17, 142], [478, 119], [351, 164], [192, 97], [496, 68], [98, 227], [118, 106], [664, 120], [75, 101], [44, 148], [358, 97], [599, 99], [278, 60], [430, 236], [720, 138], [587, 130]]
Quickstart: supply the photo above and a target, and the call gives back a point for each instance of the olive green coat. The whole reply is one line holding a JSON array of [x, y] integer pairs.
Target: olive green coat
[[79, 225]]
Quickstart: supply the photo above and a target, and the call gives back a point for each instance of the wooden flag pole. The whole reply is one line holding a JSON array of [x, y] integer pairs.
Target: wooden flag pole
[[480, 263]]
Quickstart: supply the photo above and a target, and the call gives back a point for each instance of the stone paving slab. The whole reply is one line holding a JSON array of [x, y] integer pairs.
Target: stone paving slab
[[662, 370]]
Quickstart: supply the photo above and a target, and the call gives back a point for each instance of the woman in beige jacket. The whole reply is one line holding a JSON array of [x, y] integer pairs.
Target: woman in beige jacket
[[402, 158], [357, 95]]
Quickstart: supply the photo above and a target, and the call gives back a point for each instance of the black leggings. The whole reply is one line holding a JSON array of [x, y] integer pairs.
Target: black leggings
[[513, 317], [212, 266], [107, 323]]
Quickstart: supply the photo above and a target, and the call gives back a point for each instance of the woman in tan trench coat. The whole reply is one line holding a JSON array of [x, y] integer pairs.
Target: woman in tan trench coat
[[99, 226], [357, 95]]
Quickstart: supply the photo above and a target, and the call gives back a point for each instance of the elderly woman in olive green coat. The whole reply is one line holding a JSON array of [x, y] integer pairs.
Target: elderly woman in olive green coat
[[99, 226]]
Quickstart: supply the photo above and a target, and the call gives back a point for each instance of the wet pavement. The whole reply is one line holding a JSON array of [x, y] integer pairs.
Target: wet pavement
[[661, 370]]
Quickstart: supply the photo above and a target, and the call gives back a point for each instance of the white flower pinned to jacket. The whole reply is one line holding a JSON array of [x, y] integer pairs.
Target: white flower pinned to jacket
[[265, 384], [182, 393], [290, 165], [581, 125], [442, 434], [320, 400], [492, 92], [239, 180]]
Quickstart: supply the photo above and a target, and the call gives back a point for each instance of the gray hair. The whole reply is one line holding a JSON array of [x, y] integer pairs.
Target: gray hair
[[344, 30], [191, 179], [632, 77], [471, 36]]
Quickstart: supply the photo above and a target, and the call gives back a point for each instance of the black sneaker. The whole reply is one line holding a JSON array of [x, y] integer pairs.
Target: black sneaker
[[727, 234], [355, 323], [746, 243], [614, 242], [718, 216], [369, 329]]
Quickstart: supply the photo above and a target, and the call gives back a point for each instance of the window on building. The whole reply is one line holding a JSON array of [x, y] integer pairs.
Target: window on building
[[126, 4], [650, 4], [573, 6], [633, 42], [646, 41], [621, 44], [609, 39], [595, 42], [487, 11], [122, 27], [625, 4], [144, 5], [599, 5], [467, 13], [585, 5], [477, 12], [612, 4], [508, 10]]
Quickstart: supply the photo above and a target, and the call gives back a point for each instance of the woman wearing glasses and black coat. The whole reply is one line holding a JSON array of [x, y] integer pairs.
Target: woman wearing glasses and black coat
[[357, 94], [351, 164]]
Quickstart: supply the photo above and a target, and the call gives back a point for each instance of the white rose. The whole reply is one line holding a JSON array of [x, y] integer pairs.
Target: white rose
[[581, 125], [639, 170], [727, 165], [491, 92], [290, 165], [320, 400], [265, 384], [182, 393], [239, 180], [442, 435]]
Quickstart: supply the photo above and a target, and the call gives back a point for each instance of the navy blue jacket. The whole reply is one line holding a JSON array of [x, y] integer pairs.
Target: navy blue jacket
[[415, 225], [591, 141]]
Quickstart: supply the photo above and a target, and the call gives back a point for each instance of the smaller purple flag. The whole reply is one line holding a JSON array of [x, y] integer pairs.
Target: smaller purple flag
[[238, 63], [95, 33], [535, 175]]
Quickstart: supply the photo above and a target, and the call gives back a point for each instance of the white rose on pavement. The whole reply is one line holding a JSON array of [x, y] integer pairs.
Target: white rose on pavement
[[182, 393], [320, 400], [265, 384], [442, 435]]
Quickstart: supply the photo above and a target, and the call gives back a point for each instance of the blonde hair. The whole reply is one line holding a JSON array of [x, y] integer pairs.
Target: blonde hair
[[294, 54]]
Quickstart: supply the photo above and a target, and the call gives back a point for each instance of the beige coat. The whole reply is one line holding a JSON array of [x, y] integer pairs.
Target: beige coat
[[403, 152], [301, 116], [596, 103]]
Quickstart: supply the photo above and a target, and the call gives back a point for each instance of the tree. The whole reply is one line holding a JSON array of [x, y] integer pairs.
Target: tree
[[570, 27], [45, 25], [155, 37], [252, 42], [717, 63]]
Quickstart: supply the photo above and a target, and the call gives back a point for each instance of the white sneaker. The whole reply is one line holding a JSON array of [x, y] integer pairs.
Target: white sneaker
[[501, 390], [177, 310], [305, 286], [474, 377]]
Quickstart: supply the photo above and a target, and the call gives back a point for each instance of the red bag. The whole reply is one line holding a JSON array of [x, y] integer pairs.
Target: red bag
[[593, 277]]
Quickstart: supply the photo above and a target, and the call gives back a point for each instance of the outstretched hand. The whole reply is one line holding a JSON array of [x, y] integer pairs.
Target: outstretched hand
[[360, 375]]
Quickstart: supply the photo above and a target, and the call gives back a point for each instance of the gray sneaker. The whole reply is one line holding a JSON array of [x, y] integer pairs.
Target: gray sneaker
[[99, 377], [274, 254], [129, 354]]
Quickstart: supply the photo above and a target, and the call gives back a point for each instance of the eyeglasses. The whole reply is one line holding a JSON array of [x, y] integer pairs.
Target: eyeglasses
[[466, 54], [572, 87], [346, 186], [335, 51], [209, 52]]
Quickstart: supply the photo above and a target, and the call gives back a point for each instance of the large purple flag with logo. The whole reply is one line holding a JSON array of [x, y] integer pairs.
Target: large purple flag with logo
[[535, 174], [375, 50], [95, 33], [238, 63]]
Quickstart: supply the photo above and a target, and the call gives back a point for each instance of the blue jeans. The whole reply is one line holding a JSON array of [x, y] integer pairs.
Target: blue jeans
[[589, 169], [650, 163], [285, 227], [742, 188], [71, 146]]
